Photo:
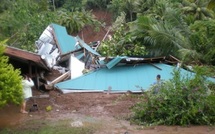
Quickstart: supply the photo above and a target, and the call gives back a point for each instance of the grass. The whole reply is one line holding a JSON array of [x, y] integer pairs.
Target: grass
[[50, 127]]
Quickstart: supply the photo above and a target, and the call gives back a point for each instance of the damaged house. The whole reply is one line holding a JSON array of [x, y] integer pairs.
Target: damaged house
[[71, 56]]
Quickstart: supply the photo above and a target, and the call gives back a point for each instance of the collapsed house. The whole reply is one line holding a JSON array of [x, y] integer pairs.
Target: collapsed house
[[124, 74], [84, 70], [68, 54]]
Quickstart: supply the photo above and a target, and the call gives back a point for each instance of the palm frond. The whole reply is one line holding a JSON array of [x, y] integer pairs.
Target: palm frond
[[188, 55]]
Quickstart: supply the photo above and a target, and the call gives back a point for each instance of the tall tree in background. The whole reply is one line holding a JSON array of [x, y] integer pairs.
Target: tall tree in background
[[203, 40], [164, 28], [126, 6], [77, 20], [22, 22], [121, 43], [197, 8]]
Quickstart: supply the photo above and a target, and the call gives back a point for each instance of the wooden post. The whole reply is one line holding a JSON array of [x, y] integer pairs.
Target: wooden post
[[30, 68]]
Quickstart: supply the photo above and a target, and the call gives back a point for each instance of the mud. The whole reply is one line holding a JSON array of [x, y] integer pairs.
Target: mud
[[110, 112]]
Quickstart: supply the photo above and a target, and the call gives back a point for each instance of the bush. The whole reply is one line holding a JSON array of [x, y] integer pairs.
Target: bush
[[180, 101], [97, 4], [10, 81]]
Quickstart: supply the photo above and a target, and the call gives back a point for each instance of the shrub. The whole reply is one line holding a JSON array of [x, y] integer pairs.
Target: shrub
[[180, 101], [10, 81]]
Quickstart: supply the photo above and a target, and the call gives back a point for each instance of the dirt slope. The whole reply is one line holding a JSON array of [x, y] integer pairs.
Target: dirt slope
[[90, 35]]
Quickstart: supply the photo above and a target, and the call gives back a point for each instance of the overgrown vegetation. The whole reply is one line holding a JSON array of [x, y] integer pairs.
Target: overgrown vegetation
[[75, 21], [180, 101], [121, 43], [23, 21], [182, 28]]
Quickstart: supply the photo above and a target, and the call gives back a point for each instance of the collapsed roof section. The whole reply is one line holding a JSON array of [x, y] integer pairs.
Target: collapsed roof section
[[125, 60], [55, 45], [123, 74], [24, 56], [133, 78]]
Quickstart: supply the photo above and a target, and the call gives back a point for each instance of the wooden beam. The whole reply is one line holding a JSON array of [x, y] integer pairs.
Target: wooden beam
[[174, 58], [155, 66], [30, 68]]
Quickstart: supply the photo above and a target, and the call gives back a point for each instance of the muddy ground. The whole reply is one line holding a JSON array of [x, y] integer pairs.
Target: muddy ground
[[108, 113]]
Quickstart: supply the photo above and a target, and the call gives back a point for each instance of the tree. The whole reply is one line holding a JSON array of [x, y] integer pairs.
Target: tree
[[77, 20], [126, 6], [121, 43], [197, 9], [96, 4], [161, 37], [203, 40], [10, 82], [163, 29], [211, 5], [24, 21], [4, 5]]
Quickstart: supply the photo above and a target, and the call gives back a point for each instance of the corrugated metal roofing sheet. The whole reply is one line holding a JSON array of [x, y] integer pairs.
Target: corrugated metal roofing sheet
[[121, 78], [65, 42], [83, 44], [114, 61]]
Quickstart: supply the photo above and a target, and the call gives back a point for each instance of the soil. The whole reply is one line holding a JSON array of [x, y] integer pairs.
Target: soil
[[88, 34], [110, 111]]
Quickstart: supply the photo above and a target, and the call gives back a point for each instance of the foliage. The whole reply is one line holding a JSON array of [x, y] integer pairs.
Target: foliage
[[144, 6], [10, 82], [23, 21], [169, 27], [72, 5], [97, 4], [180, 101], [162, 29], [60, 3], [165, 28], [126, 6], [211, 5], [161, 37], [182, 28], [202, 39], [77, 20], [4, 5], [197, 8], [121, 43]]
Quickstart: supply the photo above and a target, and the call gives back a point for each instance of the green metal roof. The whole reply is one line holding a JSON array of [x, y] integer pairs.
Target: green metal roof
[[121, 78], [115, 61], [83, 44], [65, 42]]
